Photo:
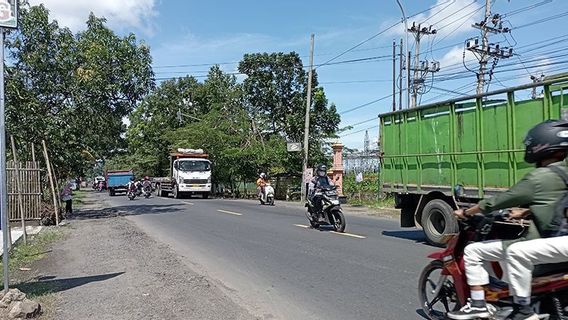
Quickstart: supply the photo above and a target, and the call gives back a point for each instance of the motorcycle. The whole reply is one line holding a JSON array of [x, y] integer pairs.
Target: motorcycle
[[331, 209], [132, 191], [139, 189], [267, 197], [443, 284], [147, 190]]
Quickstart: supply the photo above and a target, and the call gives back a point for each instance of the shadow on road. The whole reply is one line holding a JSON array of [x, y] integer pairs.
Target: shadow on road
[[47, 284], [414, 235], [421, 313], [126, 210]]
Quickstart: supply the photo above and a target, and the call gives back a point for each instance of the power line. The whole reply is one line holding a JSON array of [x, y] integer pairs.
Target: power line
[[366, 104], [444, 8], [376, 35], [357, 81], [560, 15], [358, 131], [527, 8], [360, 123]]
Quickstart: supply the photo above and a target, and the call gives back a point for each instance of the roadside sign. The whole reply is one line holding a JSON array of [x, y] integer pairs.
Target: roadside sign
[[9, 14], [308, 175], [359, 177], [294, 147]]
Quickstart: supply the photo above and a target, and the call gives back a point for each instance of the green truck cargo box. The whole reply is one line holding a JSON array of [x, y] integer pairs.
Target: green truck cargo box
[[438, 156]]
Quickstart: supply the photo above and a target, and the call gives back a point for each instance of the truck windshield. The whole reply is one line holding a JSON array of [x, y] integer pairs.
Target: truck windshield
[[194, 166]]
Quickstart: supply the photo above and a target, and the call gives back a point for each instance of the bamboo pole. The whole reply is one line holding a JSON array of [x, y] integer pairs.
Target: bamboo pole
[[19, 188], [56, 179], [33, 152], [52, 184]]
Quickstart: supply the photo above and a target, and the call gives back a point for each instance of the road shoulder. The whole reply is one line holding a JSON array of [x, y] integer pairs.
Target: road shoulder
[[106, 268]]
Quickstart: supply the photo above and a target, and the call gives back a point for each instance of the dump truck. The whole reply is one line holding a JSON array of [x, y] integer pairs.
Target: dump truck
[[117, 181], [441, 156], [190, 174]]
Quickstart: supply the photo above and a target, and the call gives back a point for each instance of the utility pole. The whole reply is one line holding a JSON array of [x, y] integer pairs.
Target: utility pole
[[3, 177], [407, 60], [420, 68], [307, 121], [401, 73], [488, 51], [393, 75], [535, 79]]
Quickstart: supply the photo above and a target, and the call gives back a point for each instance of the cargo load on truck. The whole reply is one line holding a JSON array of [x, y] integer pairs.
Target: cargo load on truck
[[441, 155], [117, 181], [190, 174]]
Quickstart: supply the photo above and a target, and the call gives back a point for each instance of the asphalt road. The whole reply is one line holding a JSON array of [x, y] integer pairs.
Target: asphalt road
[[270, 262]]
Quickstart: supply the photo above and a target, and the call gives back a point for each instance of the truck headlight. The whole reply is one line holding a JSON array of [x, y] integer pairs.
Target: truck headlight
[[209, 180]]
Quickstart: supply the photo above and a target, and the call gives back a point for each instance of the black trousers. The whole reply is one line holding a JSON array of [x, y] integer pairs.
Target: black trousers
[[69, 206]]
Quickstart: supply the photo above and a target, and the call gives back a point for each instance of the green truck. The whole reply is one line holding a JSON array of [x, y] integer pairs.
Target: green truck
[[439, 156]]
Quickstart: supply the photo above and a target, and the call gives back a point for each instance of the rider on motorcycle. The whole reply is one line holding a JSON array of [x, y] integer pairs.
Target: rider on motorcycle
[[320, 181], [538, 192], [261, 183], [131, 184]]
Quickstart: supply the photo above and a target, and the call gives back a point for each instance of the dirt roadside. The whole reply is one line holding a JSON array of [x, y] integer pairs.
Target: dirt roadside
[[106, 268]]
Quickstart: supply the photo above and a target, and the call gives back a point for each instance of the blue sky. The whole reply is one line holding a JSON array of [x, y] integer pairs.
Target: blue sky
[[182, 33]]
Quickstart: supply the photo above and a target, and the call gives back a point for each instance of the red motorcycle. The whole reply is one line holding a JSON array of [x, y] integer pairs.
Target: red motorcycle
[[443, 286]]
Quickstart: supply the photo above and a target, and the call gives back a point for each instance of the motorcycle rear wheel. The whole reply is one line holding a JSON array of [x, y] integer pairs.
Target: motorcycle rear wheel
[[311, 219], [338, 222], [446, 300]]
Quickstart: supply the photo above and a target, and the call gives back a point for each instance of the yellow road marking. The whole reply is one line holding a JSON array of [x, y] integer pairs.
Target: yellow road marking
[[348, 234], [230, 212], [334, 232]]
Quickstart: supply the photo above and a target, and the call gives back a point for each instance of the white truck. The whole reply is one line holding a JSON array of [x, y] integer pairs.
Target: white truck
[[190, 174]]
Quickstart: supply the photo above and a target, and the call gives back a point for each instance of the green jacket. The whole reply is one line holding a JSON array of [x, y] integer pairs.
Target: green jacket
[[539, 190]]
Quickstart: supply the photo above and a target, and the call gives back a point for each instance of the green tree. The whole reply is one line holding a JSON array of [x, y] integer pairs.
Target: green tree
[[275, 91], [72, 90]]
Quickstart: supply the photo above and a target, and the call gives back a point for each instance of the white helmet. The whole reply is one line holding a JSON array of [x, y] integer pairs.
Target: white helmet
[[263, 175]]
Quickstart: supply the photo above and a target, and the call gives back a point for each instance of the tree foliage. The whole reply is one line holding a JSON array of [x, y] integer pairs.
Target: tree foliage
[[244, 126], [73, 90]]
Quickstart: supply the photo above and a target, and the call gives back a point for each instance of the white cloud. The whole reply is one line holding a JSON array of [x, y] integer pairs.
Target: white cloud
[[455, 57], [121, 14], [450, 18]]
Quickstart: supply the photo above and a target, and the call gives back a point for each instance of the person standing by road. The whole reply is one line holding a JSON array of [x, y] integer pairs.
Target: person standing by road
[[67, 196]]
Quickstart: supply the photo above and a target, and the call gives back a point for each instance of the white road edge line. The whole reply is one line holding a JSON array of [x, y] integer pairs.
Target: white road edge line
[[335, 232], [348, 234], [230, 212]]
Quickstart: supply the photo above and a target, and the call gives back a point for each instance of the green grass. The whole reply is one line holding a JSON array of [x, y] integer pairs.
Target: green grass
[[376, 204], [78, 196], [24, 254]]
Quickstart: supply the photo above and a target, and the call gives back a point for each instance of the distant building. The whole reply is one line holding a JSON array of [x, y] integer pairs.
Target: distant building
[[361, 161]]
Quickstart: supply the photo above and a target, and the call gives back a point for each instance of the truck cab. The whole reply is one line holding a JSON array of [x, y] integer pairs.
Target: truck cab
[[190, 175]]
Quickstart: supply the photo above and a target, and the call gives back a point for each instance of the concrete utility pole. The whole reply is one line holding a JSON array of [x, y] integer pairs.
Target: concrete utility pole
[[307, 121], [420, 68], [401, 73], [407, 54], [393, 75], [488, 51]]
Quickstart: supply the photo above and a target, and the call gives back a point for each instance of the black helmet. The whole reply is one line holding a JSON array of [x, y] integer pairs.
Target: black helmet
[[545, 139], [321, 170], [131, 178]]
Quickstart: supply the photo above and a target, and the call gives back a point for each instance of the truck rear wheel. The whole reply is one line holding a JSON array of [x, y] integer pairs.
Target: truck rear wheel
[[176, 193], [438, 221]]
